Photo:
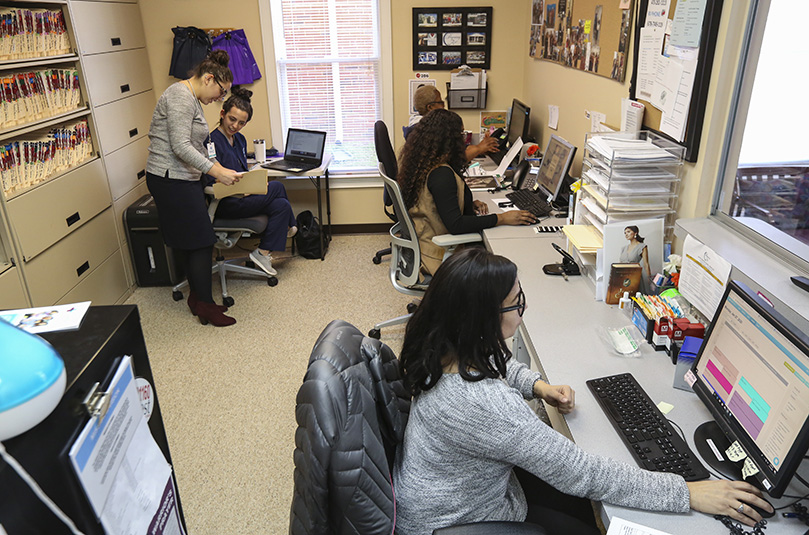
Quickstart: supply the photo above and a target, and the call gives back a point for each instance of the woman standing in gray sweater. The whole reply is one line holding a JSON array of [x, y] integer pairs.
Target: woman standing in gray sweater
[[178, 156], [475, 451]]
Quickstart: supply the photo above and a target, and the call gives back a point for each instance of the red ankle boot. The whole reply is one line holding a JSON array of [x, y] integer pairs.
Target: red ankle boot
[[193, 302], [210, 312]]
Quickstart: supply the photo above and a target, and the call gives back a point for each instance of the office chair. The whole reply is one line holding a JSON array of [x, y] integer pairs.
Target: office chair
[[228, 232], [352, 410], [405, 262], [386, 157]]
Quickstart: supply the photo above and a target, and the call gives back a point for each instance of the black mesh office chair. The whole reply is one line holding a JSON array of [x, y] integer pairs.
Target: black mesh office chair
[[352, 411], [387, 157], [228, 232]]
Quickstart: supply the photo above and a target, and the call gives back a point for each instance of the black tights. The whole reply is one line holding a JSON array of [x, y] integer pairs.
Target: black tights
[[197, 263], [554, 510]]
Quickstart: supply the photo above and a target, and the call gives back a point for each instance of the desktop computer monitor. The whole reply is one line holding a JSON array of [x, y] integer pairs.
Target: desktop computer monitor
[[752, 372], [554, 167], [518, 123]]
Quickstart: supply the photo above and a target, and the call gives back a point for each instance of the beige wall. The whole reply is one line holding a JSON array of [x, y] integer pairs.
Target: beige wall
[[510, 25], [513, 74], [575, 92], [159, 17]]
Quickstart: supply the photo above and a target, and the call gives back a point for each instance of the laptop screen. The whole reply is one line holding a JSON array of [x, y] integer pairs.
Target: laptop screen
[[305, 145]]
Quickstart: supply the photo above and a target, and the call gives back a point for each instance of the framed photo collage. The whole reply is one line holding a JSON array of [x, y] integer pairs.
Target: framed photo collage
[[447, 37]]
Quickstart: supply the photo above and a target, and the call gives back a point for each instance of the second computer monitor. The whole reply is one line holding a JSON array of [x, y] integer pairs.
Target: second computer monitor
[[555, 166], [519, 122]]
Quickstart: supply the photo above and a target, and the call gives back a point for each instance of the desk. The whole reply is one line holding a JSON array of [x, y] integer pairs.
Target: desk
[[560, 312], [90, 355], [314, 177]]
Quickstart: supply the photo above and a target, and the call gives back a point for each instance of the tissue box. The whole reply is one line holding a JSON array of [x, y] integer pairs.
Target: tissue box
[[465, 81]]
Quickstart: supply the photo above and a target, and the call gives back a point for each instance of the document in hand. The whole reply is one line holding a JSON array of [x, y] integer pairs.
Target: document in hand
[[251, 183]]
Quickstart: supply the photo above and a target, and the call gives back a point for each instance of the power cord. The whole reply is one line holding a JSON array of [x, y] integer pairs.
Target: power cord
[[25, 476]]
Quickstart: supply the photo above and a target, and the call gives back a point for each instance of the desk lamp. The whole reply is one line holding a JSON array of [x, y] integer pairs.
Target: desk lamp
[[32, 380]]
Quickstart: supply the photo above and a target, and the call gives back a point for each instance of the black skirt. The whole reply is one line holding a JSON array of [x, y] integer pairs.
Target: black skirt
[[182, 212]]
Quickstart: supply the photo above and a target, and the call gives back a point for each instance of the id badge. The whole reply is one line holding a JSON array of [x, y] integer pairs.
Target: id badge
[[211, 150]]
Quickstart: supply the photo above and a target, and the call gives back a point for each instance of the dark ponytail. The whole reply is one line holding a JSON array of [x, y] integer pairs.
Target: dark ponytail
[[240, 98], [215, 64], [636, 230]]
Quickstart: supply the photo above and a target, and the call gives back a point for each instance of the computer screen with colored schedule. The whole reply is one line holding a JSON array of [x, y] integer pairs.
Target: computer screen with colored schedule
[[752, 372]]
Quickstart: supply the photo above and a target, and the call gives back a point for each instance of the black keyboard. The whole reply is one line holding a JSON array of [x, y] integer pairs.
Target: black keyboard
[[648, 435], [526, 199]]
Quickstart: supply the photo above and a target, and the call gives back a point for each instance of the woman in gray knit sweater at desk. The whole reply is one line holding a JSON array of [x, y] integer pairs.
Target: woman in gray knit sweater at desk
[[178, 156], [475, 451]]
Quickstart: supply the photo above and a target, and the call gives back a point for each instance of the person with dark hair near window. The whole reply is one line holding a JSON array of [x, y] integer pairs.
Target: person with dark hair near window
[[428, 98], [178, 157], [636, 252], [439, 201], [231, 152], [474, 450]]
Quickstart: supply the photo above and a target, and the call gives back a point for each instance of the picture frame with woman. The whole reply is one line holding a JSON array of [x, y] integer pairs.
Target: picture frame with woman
[[632, 241]]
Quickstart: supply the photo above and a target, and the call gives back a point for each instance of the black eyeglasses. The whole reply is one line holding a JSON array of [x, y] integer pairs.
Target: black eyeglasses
[[519, 307], [222, 91], [436, 103]]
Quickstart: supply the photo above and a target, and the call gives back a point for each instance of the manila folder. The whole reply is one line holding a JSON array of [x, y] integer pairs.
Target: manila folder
[[251, 183]]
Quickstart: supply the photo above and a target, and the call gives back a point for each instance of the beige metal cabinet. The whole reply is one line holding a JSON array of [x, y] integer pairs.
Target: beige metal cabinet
[[107, 284], [112, 77], [12, 292], [123, 121], [126, 167], [107, 27], [56, 271], [46, 214]]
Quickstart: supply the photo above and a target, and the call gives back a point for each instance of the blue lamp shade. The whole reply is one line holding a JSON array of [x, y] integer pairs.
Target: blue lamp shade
[[32, 380]]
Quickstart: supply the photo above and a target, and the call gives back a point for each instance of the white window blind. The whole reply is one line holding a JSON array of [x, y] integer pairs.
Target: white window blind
[[327, 56]]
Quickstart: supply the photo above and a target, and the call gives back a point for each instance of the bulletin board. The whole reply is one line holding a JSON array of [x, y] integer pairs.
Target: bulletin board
[[653, 116], [588, 35], [445, 38]]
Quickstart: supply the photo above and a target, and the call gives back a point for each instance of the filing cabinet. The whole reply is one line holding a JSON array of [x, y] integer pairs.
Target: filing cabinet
[[47, 214], [107, 26], [112, 77], [124, 121], [119, 82]]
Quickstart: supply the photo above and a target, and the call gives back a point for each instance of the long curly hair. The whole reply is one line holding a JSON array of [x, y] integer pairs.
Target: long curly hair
[[437, 139]]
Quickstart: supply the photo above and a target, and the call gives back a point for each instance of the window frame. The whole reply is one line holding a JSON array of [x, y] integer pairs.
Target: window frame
[[273, 81], [772, 240]]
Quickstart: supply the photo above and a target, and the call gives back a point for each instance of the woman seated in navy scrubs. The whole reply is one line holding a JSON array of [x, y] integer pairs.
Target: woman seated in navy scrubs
[[231, 152]]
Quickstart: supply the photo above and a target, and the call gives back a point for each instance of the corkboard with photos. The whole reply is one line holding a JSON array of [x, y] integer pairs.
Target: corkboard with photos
[[447, 37], [589, 35]]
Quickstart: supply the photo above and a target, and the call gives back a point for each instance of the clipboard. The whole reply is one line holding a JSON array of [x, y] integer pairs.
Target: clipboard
[[251, 183]]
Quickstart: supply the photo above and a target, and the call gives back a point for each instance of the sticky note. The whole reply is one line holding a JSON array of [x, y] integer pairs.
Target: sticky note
[[735, 452], [664, 407], [749, 469]]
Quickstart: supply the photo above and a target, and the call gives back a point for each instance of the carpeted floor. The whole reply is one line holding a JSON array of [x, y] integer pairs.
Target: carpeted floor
[[228, 394]]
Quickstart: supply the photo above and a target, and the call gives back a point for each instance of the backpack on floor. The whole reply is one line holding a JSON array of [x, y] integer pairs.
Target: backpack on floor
[[307, 240]]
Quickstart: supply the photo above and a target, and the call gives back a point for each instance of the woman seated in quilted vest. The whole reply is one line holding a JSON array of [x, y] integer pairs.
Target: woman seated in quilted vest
[[431, 167]]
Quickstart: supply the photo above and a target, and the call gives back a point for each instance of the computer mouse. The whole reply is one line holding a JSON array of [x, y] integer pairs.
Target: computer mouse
[[763, 512]]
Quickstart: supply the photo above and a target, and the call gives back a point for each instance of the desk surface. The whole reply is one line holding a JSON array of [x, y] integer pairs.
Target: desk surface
[[559, 312], [317, 171]]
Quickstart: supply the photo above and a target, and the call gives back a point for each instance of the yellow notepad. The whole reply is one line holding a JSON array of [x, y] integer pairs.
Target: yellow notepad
[[251, 183]]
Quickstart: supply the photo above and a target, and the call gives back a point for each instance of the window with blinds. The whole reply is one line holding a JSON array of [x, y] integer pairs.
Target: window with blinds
[[327, 56]]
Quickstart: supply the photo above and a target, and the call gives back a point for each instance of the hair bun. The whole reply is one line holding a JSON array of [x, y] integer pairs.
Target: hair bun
[[241, 92], [219, 56]]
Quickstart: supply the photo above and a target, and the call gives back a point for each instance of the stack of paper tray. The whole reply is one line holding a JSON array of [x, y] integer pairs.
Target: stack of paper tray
[[583, 237]]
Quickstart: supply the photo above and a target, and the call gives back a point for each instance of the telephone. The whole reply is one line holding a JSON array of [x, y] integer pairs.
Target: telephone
[[523, 179], [502, 138], [567, 267]]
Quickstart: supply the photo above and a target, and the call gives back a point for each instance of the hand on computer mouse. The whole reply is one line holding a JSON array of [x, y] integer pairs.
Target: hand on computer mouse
[[736, 499], [516, 217]]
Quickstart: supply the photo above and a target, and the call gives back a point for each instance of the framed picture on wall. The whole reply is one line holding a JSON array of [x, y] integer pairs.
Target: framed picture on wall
[[444, 38]]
